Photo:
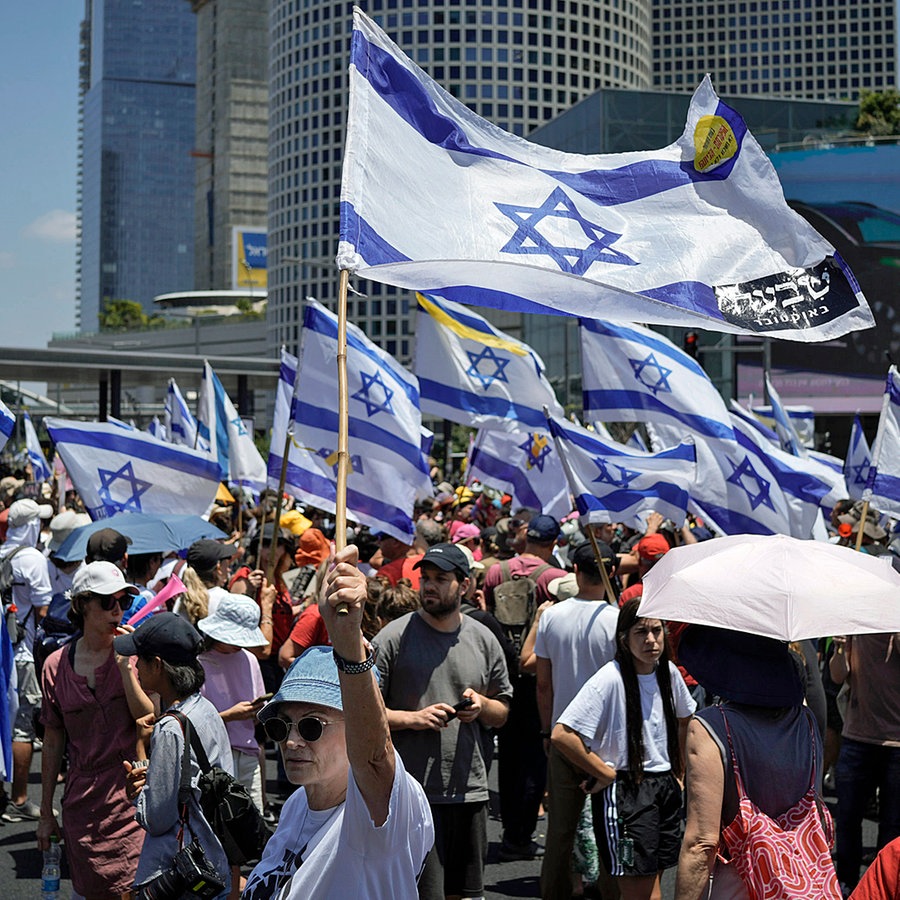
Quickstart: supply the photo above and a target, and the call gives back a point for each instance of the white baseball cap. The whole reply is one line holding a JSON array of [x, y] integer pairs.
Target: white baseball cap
[[24, 511], [101, 577]]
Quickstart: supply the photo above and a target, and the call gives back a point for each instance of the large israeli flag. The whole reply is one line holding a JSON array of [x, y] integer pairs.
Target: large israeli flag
[[115, 470], [634, 374], [883, 486], [40, 468], [180, 424], [698, 233], [523, 464], [856, 465], [389, 470], [614, 483], [223, 434], [7, 424], [473, 373]]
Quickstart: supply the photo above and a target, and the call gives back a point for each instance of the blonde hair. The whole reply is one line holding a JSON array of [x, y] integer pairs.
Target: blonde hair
[[195, 600]]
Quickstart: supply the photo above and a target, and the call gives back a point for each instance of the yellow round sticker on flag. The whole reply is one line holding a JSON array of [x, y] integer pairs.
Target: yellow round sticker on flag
[[714, 143]]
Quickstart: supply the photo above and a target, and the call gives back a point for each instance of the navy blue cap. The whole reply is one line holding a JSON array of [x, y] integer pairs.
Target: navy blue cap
[[543, 530]]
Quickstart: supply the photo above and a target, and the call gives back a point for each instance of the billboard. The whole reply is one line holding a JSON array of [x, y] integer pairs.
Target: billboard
[[248, 258]]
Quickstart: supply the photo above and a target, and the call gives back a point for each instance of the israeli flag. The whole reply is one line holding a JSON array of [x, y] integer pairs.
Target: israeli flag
[[633, 374], [438, 200], [883, 486], [856, 465], [7, 424], [389, 470], [471, 372], [115, 470], [39, 467], [180, 424], [222, 431], [157, 429], [9, 701], [784, 426], [802, 419], [614, 483], [523, 464]]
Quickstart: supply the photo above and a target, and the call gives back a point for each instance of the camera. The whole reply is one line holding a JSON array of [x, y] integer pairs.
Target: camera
[[190, 873]]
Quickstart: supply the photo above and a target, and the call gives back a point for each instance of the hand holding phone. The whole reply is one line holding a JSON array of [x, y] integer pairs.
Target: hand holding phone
[[465, 703], [265, 698]]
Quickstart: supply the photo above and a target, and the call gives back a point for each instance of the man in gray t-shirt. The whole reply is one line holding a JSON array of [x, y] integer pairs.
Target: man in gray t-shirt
[[430, 661]]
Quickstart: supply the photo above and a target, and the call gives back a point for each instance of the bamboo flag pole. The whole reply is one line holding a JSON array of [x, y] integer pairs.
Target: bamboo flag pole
[[343, 461], [273, 543], [589, 531]]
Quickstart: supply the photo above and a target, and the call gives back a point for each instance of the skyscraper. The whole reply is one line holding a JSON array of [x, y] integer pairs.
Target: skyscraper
[[518, 63], [808, 49], [136, 174]]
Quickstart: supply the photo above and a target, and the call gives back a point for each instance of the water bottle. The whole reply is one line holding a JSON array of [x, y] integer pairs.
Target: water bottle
[[50, 872]]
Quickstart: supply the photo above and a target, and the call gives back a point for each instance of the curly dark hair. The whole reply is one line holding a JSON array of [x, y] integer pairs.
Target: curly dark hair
[[634, 717]]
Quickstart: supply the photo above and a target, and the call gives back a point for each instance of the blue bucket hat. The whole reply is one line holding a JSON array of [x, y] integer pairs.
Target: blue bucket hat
[[235, 621], [312, 678]]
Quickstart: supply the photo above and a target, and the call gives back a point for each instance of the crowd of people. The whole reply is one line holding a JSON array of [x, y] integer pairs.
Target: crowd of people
[[393, 676]]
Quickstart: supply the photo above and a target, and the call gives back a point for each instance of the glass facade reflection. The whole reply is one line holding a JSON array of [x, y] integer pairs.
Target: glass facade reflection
[[136, 195]]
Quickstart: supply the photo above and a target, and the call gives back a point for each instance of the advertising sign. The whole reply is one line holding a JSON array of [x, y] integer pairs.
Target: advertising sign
[[248, 259]]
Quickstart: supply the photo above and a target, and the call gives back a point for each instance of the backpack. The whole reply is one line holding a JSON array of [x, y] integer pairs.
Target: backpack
[[515, 603], [53, 631], [15, 628], [227, 806]]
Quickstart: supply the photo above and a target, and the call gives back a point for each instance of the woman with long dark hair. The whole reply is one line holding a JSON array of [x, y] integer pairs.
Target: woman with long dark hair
[[625, 729]]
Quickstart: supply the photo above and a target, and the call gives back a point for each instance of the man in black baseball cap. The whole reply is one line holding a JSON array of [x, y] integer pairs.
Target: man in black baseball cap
[[110, 545], [204, 555]]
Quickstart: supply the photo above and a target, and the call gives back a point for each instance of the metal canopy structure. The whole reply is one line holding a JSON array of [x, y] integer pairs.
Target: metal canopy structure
[[113, 370]]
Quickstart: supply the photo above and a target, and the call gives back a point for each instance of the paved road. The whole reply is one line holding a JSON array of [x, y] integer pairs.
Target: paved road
[[20, 862]]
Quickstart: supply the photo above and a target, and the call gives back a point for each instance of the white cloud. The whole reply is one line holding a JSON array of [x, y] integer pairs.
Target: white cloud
[[57, 226], [7, 260]]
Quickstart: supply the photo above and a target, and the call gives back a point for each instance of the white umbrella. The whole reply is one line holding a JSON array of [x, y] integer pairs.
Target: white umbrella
[[775, 586]]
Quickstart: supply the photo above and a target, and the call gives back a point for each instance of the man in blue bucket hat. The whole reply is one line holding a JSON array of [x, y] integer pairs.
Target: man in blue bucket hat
[[359, 826]]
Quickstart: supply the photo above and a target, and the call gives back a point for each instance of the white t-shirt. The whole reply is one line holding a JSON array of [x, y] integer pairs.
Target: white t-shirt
[[579, 638], [598, 714], [31, 591], [343, 854]]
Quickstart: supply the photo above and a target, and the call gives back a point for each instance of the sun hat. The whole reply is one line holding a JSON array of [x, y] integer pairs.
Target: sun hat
[[871, 529], [165, 635], [101, 577], [446, 557], [564, 588], [204, 554], [312, 678], [62, 525], [312, 549], [24, 511], [107, 544], [235, 621], [464, 532], [741, 667]]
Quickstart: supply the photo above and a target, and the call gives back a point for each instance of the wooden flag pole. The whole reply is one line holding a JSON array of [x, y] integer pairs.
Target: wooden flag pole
[[862, 524], [273, 543], [343, 461]]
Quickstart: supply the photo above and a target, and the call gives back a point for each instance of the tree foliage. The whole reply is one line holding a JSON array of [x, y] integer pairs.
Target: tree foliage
[[126, 315], [879, 112]]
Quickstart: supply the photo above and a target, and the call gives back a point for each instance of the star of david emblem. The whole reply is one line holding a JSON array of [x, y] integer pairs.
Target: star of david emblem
[[331, 459], [487, 378], [578, 242], [537, 448], [861, 473], [239, 426], [747, 479], [120, 502], [651, 374], [617, 476], [373, 405]]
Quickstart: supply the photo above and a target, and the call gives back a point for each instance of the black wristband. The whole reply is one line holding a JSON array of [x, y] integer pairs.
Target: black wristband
[[355, 668]]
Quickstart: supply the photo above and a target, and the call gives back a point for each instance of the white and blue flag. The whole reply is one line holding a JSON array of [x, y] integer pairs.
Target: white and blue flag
[[694, 234], [157, 429], [115, 470], [39, 467], [801, 417], [473, 373], [883, 486], [634, 374], [388, 468], [222, 432], [523, 464], [180, 424], [782, 423], [7, 424], [614, 483], [856, 465]]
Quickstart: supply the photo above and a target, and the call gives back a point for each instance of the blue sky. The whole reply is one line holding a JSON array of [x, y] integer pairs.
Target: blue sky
[[38, 164]]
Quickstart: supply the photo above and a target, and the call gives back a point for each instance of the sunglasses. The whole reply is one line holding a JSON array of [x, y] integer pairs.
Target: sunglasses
[[309, 728], [110, 601]]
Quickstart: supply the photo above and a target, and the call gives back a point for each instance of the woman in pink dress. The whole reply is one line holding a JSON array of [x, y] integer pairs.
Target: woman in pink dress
[[91, 701]]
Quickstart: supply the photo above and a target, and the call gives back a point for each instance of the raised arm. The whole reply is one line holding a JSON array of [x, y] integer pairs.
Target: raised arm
[[369, 746]]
